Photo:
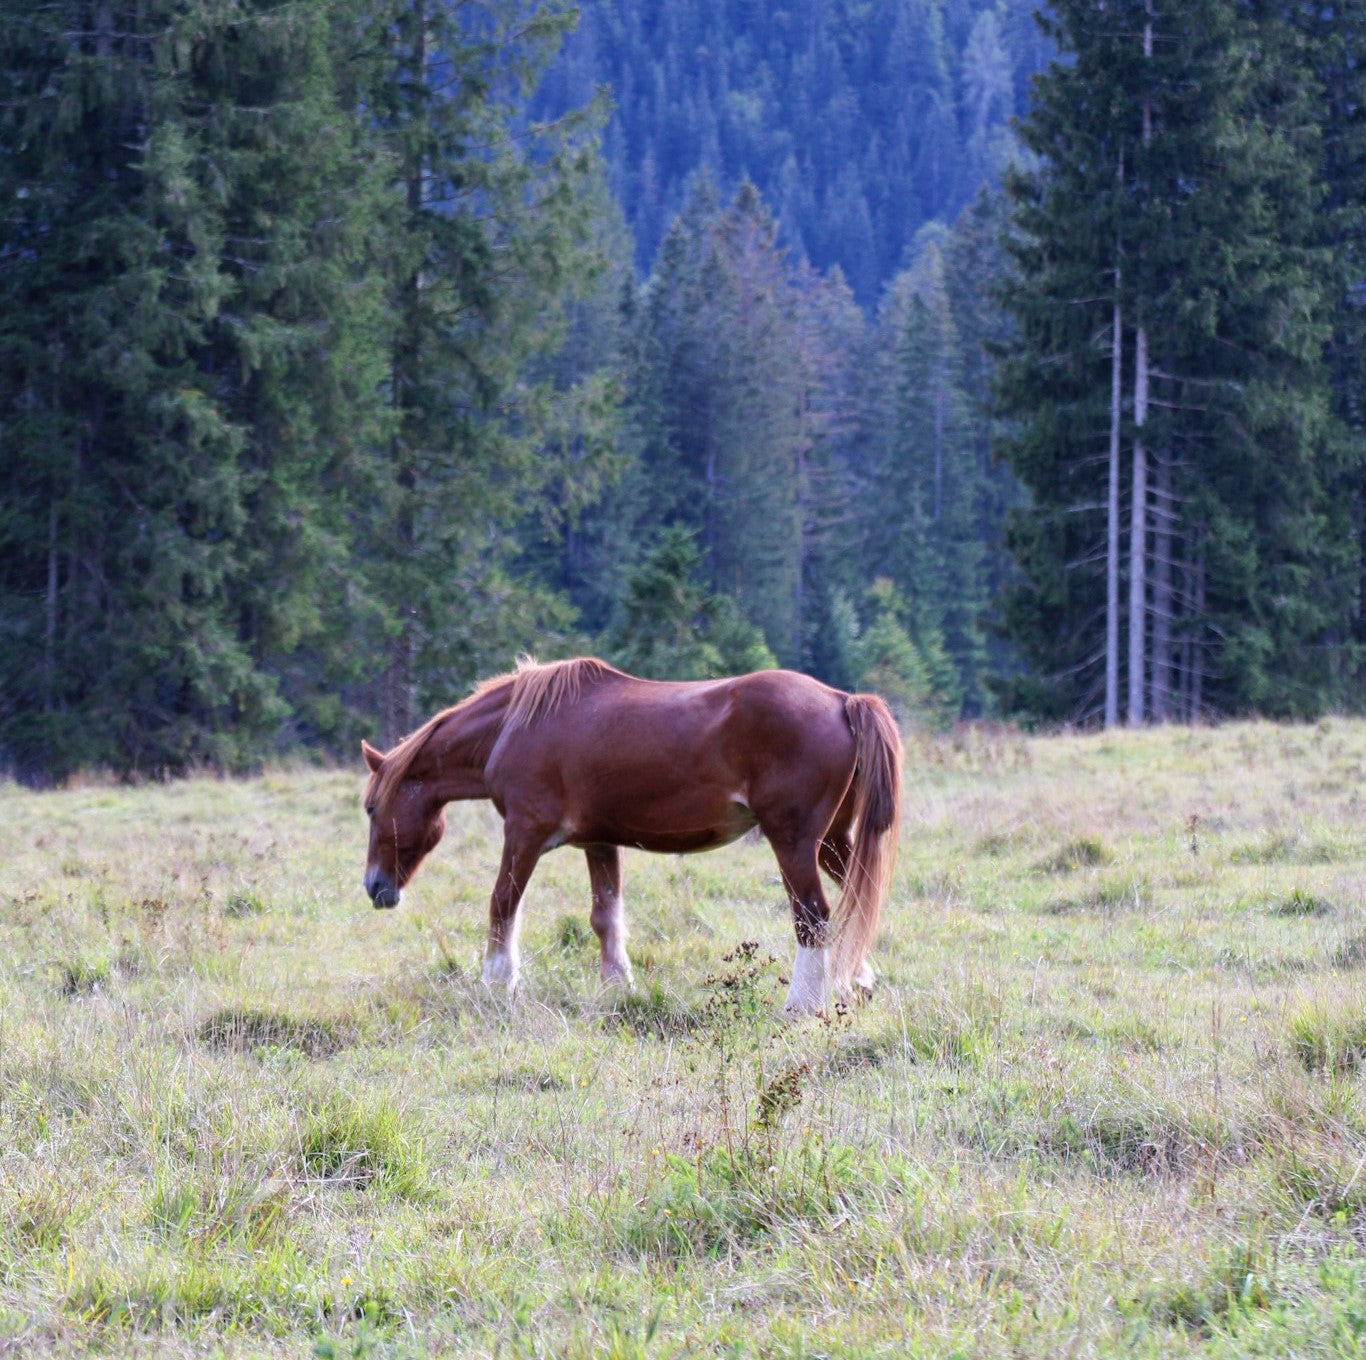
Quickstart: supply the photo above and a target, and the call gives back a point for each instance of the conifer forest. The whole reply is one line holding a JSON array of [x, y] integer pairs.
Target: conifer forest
[[1005, 360]]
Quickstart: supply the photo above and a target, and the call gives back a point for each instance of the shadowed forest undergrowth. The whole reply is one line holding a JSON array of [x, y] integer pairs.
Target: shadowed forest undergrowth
[[1110, 1097]]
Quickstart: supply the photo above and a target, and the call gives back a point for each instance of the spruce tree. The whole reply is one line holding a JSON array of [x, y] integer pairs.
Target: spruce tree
[[175, 276], [1178, 144], [670, 627], [487, 227], [720, 402]]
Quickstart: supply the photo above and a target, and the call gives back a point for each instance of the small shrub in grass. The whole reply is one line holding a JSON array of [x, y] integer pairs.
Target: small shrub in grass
[[574, 934], [1083, 852], [1351, 953], [154, 1299], [364, 1145], [859, 1052], [732, 1197], [261, 1291], [651, 1009], [1284, 848], [1135, 1137], [245, 1207], [373, 1308], [1326, 1180], [954, 1037], [173, 1205], [1117, 892], [998, 843], [1328, 1039], [367, 1336], [245, 1029], [244, 903], [39, 1220], [1236, 1280], [1300, 902], [83, 975]]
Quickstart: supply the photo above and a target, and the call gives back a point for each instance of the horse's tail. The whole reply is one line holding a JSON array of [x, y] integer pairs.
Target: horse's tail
[[877, 810]]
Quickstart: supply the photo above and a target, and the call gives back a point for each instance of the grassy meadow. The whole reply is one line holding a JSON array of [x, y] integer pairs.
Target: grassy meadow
[[1109, 1099]]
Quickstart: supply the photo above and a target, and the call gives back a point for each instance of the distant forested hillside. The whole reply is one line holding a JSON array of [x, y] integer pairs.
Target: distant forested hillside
[[858, 120]]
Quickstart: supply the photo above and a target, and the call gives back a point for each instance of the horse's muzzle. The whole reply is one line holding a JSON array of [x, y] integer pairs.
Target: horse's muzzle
[[382, 892]]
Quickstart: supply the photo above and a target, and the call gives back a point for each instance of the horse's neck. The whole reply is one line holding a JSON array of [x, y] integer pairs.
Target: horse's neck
[[457, 752]]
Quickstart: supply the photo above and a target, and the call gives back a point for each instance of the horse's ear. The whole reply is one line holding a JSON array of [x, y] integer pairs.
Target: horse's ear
[[373, 758]]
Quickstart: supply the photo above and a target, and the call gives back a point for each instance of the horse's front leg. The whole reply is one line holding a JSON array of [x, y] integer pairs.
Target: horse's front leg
[[502, 959], [609, 915]]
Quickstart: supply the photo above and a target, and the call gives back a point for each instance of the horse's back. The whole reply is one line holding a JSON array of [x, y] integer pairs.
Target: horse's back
[[740, 719], [634, 760]]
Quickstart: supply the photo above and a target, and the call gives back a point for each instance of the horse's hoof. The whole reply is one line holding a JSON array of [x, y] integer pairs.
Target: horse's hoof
[[617, 977], [864, 983], [500, 970]]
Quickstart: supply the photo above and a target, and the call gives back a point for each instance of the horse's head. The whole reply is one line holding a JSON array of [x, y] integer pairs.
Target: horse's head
[[406, 822]]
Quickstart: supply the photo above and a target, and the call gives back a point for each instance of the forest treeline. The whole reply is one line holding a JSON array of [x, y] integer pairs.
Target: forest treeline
[[330, 379], [858, 120]]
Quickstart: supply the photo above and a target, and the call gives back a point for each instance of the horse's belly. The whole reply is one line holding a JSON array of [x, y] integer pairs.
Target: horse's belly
[[667, 827]]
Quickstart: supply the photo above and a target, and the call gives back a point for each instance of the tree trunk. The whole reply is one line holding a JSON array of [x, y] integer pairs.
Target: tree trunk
[[50, 612], [1112, 524], [939, 443], [1198, 617], [1138, 513], [1163, 520], [1138, 527], [398, 700]]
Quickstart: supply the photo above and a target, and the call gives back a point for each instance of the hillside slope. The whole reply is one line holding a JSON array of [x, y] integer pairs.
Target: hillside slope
[[858, 121]]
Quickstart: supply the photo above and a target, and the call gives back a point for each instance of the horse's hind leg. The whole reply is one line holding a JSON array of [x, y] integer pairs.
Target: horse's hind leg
[[837, 848], [834, 855], [836, 845], [810, 922], [609, 915]]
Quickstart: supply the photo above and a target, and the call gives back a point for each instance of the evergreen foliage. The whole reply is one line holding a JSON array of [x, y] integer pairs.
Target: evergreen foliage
[[858, 122], [177, 371], [329, 380], [671, 628], [270, 277], [1198, 162], [900, 655]]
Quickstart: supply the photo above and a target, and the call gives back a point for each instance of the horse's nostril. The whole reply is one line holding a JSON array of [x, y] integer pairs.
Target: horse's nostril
[[382, 892]]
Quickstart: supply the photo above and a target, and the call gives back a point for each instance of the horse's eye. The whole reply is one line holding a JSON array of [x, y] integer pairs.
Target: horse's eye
[[369, 809]]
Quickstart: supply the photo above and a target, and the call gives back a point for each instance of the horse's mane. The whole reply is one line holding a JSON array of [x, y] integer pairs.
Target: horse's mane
[[539, 690], [536, 691]]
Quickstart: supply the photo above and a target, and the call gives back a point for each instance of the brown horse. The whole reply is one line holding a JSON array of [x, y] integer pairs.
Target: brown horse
[[577, 753]]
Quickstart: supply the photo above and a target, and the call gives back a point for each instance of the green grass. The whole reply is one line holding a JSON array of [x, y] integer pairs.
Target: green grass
[[1109, 1099]]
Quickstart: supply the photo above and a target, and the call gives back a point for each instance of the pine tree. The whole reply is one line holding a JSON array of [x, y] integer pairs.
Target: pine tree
[[720, 401], [164, 287], [922, 521], [1334, 38], [1053, 380], [485, 232], [1198, 115], [669, 627], [761, 438]]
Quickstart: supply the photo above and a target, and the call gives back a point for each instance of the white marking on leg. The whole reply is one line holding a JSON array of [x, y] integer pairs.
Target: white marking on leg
[[859, 986], [806, 995], [504, 963], [616, 967]]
